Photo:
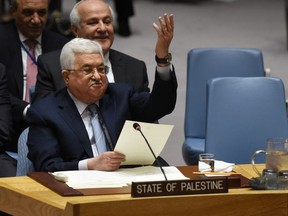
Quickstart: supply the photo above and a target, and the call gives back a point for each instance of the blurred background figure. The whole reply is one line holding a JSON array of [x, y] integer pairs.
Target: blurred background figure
[[124, 10], [5, 16], [55, 5], [57, 20]]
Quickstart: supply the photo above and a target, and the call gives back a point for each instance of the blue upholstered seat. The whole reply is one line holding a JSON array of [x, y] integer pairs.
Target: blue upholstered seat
[[202, 65], [242, 113]]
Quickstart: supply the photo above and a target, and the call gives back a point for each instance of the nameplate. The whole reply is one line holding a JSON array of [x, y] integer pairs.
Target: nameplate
[[180, 187]]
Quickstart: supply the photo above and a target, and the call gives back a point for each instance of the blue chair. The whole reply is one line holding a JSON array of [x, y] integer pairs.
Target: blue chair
[[24, 165], [202, 65], [242, 113]]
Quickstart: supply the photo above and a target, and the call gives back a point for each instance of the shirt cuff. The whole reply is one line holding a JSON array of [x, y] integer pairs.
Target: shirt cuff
[[164, 72], [83, 164]]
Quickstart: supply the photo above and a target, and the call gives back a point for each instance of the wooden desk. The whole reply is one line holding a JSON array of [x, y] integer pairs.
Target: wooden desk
[[23, 196]]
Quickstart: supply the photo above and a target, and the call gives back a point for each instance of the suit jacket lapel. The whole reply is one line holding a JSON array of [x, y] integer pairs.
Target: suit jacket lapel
[[68, 111]]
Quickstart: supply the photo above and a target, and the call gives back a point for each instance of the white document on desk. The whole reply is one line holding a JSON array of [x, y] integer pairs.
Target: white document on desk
[[80, 179], [133, 145]]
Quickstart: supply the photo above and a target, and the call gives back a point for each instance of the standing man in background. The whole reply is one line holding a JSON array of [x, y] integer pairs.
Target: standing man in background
[[21, 42]]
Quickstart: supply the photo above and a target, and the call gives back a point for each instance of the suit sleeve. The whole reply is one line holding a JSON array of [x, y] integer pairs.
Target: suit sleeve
[[145, 82], [162, 100]]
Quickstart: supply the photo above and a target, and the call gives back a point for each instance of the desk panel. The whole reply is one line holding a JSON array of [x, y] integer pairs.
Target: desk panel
[[231, 204], [24, 196], [19, 203]]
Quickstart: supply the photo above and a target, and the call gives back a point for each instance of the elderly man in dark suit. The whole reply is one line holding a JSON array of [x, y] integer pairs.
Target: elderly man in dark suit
[[30, 17], [93, 19], [61, 135]]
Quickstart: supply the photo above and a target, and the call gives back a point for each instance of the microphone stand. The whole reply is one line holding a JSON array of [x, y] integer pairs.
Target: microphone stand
[[161, 168]]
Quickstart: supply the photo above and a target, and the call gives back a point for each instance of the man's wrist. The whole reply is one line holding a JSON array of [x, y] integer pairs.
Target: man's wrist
[[163, 65], [163, 61]]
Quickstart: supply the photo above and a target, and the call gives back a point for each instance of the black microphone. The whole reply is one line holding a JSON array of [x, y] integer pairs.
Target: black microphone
[[137, 127]]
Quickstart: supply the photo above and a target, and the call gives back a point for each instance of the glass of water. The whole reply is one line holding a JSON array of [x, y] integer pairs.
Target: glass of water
[[206, 162]]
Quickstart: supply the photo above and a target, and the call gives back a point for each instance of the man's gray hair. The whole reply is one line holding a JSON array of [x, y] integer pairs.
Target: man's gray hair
[[75, 18], [78, 45]]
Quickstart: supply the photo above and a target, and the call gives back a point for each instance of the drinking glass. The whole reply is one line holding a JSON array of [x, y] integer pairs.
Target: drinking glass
[[206, 162]]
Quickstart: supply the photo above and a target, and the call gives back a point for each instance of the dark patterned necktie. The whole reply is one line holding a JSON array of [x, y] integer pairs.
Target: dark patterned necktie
[[97, 129]]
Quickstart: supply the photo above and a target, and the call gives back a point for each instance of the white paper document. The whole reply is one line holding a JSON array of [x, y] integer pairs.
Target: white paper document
[[81, 179], [133, 145]]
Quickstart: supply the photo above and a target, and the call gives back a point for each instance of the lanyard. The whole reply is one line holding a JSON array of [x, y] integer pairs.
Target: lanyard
[[28, 53]]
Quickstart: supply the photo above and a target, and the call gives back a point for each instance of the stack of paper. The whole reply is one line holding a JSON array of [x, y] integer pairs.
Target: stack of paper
[[120, 178]]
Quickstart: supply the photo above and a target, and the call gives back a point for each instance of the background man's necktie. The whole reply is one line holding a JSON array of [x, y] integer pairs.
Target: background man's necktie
[[31, 67], [97, 129]]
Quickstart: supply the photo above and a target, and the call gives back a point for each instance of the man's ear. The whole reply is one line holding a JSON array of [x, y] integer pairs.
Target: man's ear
[[74, 30], [65, 75]]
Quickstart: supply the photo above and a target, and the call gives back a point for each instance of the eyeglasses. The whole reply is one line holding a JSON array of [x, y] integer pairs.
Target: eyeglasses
[[91, 71]]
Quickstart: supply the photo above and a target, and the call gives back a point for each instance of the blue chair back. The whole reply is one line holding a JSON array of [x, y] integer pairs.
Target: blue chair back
[[242, 113], [204, 64]]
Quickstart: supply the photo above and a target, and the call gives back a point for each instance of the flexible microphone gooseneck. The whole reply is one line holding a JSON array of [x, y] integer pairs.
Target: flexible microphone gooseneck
[[137, 127]]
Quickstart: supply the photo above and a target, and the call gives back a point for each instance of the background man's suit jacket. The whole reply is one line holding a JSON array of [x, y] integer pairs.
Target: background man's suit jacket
[[126, 69], [5, 110], [11, 57], [58, 139]]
